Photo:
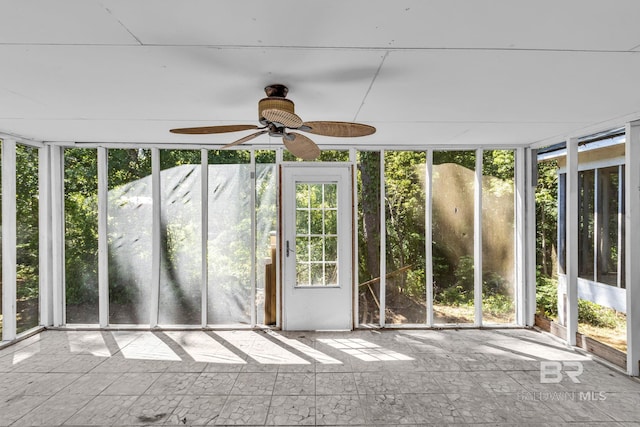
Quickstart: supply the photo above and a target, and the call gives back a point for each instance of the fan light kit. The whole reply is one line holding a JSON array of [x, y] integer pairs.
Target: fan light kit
[[276, 114]]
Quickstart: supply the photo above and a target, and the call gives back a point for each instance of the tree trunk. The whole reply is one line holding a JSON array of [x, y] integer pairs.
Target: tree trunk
[[370, 205]]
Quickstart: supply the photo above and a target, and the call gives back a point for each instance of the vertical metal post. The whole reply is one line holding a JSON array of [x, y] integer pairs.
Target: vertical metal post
[[383, 244], [572, 241], [44, 224], [520, 238], [477, 239], [428, 235], [103, 242], [528, 294], [9, 240], [204, 221], [632, 253], [155, 237], [620, 244], [57, 235], [254, 242], [597, 224], [353, 159]]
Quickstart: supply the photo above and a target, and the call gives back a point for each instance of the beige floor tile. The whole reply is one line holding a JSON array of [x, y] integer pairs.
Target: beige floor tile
[[292, 410], [243, 410]]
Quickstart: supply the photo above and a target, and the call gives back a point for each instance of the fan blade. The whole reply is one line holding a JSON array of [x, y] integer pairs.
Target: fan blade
[[214, 129], [340, 129], [301, 146], [245, 139], [285, 118]]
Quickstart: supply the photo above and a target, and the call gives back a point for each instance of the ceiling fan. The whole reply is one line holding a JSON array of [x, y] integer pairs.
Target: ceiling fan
[[276, 114]]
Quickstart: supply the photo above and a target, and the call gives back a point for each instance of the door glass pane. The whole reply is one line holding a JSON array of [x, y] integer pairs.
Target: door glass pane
[[453, 231], [180, 238], [27, 251], [404, 173], [129, 210], [498, 236], [81, 234], [316, 245]]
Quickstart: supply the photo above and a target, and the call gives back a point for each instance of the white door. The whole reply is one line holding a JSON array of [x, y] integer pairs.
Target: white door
[[317, 244]]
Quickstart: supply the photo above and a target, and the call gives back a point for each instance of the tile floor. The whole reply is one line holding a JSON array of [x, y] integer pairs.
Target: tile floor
[[367, 377]]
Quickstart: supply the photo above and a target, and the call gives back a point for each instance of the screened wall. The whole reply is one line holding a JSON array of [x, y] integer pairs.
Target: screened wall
[[160, 237], [444, 252]]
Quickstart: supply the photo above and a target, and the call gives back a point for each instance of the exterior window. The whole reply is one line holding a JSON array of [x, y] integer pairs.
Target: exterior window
[[600, 225]]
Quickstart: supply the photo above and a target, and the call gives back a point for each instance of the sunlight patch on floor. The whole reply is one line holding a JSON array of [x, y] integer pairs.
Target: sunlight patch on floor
[[26, 352], [318, 356], [364, 350], [537, 350], [90, 342], [144, 346], [203, 348], [260, 349]]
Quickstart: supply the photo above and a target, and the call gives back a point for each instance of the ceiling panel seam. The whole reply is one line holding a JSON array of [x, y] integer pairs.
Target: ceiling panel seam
[[123, 26], [375, 76]]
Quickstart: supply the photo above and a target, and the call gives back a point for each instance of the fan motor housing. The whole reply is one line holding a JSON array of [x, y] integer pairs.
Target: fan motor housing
[[278, 103]]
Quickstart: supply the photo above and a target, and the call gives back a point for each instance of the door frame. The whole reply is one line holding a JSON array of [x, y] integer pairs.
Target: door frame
[[347, 261]]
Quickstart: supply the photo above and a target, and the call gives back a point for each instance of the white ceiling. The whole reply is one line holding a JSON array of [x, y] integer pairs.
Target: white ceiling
[[437, 72]]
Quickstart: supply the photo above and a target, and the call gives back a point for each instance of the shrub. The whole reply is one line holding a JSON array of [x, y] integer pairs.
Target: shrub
[[596, 315], [547, 296], [454, 296]]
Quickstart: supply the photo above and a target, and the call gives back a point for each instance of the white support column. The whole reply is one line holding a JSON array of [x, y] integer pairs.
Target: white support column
[[57, 235], [529, 294], [44, 224], [632, 252], [383, 244], [252, 204], [204, 220], [571, 262], [520, 239], [9, 240], [154, 299], [353, 159], [477, 239], [428, 236], [103, 238]]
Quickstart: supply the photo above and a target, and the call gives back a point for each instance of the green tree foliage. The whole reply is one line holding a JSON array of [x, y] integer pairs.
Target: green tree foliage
[[81, 227], [27, 221], [369, 203], [405, 216], [546, 216]]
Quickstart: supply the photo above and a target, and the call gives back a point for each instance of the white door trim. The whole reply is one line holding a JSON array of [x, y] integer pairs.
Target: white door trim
[[317, 307]]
